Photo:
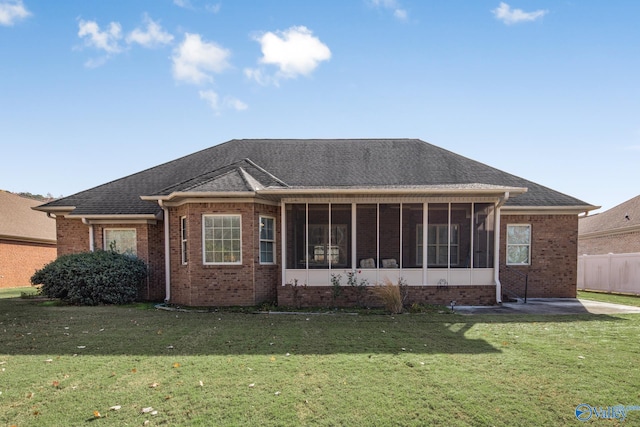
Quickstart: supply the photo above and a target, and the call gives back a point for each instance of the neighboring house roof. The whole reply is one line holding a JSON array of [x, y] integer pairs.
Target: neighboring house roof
[[18, 221], [312, 164], [620, 219]]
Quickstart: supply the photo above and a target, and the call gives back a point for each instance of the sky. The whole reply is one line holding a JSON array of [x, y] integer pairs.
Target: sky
[[95, 90]]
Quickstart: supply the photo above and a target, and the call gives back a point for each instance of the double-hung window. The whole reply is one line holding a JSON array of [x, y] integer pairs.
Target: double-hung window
[[518, 244], [222, 242], [267, 240], [184, 255], [121, 240]]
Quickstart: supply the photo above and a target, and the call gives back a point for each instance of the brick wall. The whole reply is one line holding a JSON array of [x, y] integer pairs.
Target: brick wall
[[619, 244], [149, 248], [19, 260], [197, 284], [554, 254], [72, 236]]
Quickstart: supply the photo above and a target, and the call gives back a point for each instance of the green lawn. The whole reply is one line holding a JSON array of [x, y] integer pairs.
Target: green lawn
[[612, 298], [62, 365]]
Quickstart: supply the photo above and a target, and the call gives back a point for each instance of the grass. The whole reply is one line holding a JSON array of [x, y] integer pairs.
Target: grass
[[18, 292], [63, 365]]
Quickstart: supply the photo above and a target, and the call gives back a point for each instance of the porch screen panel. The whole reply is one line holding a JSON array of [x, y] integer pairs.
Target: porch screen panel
[[437, 234], [340, 249], [460, 245], [319, 249], [367, 235], [296, 223], [483, 239], [389, 235], [412, 215]]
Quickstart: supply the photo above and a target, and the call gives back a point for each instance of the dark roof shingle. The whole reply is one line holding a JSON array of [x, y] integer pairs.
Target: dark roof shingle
[[325, 163]]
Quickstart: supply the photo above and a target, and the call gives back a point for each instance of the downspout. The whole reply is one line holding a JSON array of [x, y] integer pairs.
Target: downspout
[[496, 247], [167, 259], [92, 243]]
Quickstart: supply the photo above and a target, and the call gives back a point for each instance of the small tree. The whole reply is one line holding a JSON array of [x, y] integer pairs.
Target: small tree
[[92, 278]]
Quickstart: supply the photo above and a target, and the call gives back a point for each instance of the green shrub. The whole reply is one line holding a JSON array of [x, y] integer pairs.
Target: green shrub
[[92, 278]]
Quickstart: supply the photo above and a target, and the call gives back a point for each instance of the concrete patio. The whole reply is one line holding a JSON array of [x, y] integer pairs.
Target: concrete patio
[[551, 306]]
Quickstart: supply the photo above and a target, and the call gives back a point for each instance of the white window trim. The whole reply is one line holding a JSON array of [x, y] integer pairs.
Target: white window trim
[[183, 241], [448, 244], [105, 242], [260, 240], [204, 254], [517, 244]]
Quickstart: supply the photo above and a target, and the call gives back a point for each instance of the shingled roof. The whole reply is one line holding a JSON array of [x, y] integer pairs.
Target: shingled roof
[[240, 165], [623, 217], [19, 222]]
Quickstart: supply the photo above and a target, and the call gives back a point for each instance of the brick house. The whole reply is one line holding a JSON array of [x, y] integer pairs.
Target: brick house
[[27, 240], [253, 221], [615, 231]]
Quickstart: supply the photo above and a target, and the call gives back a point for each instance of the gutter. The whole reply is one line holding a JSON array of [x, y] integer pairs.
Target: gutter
[[167, 257], [92, 244], [496, 247]]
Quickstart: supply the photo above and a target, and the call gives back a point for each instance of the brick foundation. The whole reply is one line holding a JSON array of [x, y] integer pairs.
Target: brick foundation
[[322, 296]]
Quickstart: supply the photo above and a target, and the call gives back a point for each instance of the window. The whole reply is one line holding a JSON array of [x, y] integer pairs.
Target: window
[[222, 239], [267, 240], [438, 247], [518, 244], [120, 240], [183, 240]]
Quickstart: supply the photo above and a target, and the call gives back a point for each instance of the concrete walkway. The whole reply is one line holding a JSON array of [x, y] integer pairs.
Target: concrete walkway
[[550, 306]]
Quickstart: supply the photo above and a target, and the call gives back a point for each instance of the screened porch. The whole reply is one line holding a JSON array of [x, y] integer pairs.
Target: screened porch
[[434, 243]]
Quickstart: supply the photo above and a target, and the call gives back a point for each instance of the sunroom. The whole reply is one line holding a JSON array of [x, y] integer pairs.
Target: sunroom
[[432, 241]]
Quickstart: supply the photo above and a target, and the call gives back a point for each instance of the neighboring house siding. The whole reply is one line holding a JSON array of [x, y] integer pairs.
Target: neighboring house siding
[[197, 284], [554, 254], [617, 243], [19, 260]]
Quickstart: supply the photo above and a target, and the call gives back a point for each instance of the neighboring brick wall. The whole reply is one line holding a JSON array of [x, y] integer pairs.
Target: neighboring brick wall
[[622, 243], [321, 296], [554, 254], [19, 260], [196, 284]]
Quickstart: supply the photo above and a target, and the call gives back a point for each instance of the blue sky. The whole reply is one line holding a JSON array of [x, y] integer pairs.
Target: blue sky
[[94, 90]]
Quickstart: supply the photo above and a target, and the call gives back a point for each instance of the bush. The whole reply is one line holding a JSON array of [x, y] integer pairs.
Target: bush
[[390, 295], [92, 278]]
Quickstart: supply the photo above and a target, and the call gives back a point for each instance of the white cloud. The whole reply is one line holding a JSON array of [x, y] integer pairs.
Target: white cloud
[[213, 8], [228, 102], [194, 60], [152, 36], [295, 52], [235, 103], [510, 16], [393, 5], [12, 11], [107, 40], [183, 3]]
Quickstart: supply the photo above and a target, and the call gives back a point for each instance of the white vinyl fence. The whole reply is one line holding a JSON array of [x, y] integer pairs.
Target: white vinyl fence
[[610, 273]]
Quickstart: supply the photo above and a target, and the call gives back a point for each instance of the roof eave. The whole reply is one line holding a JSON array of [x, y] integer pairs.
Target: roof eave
[[197, 194], [498, 191], [562, 209]]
